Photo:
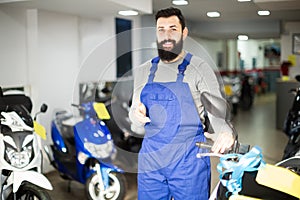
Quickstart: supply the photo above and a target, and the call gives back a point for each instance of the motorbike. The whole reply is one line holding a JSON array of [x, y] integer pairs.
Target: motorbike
[[232, 90], [291, 126], [83, 151], [20, 150]]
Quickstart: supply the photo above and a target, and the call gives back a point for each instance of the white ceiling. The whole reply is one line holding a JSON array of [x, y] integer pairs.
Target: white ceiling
[[231, 10], [86, 8]]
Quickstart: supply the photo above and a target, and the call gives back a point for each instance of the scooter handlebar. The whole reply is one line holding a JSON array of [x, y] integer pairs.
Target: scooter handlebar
[[78, 106], [236, 148]]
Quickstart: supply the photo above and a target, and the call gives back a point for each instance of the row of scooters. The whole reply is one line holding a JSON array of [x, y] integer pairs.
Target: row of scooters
[[83, 149]]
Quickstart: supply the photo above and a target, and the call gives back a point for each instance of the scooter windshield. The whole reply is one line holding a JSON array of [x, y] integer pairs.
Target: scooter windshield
[[22, 112], [219, 112]]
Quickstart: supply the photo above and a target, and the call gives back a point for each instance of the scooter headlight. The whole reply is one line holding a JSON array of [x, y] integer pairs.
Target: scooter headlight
[[19, 159], [101, 150], [19, 153]]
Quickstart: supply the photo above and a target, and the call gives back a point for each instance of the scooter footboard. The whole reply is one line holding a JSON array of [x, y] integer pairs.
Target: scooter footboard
[[112, 167], [17, 178]]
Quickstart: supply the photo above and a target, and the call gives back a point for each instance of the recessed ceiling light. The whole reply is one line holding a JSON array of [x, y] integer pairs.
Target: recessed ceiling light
[[242, 37], [244, 0], [180, 2], [213, 14], [128, 12], [263, 12]]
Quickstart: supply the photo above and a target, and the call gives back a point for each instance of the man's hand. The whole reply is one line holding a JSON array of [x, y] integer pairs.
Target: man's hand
[[222, 141], [140, 113]]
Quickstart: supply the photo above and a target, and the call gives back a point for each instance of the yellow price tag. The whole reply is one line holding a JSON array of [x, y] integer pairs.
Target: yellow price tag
[[101, 111], [228, 90], [40, 130]]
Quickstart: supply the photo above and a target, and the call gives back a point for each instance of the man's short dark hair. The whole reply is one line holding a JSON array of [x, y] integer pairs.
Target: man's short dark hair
[[168, 12]]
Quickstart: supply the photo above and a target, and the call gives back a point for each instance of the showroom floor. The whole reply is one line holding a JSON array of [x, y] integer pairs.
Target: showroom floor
[[255, 127]]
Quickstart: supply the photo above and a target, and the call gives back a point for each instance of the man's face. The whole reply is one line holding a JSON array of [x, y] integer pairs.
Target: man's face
[[169, 37]]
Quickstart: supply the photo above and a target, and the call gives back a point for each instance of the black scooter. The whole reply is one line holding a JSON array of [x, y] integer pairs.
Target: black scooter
[[291, 125], [247, 92]]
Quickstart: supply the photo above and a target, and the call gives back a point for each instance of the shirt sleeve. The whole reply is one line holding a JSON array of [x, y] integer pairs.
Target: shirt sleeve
[[140, 79]]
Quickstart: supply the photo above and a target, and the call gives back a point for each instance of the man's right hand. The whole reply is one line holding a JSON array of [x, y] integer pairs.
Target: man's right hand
[[140, 113]]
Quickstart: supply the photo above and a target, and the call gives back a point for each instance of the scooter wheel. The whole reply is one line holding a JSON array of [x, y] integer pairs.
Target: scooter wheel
[[30, 191], [115, 191]]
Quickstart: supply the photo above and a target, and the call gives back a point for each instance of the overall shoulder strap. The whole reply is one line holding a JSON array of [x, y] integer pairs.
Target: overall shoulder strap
[[183, 65], [153, 68]]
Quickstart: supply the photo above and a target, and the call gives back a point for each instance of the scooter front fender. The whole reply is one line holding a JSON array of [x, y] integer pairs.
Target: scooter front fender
[[30, 176]]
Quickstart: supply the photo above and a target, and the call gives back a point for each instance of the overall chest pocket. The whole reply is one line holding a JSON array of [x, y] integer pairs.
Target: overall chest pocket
[[163, 108]]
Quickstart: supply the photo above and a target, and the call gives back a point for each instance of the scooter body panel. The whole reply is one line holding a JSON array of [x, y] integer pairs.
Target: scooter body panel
[[17, 178], [93, 141], [57, 138], [21, 160]]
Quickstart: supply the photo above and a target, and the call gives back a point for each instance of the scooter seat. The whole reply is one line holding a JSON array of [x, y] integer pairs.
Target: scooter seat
[[280, 179], [72, 121]]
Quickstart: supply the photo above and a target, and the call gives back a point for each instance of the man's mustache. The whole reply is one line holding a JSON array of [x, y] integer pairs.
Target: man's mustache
[[165, 41]]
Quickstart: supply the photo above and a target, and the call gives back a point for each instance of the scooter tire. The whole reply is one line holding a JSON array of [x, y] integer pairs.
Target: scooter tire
[[31, 190], [119, 193]]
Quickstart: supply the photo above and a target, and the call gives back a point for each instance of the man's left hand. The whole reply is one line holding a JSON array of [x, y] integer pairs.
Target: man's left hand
[[222, 141]]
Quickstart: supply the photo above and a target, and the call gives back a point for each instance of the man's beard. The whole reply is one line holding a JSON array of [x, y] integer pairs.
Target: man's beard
[[173, 53]]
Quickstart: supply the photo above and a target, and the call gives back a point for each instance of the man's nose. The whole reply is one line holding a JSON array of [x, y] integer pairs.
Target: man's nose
[[167, 35]]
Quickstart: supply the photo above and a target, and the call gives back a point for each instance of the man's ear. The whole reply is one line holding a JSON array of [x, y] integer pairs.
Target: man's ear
[[185, 33]]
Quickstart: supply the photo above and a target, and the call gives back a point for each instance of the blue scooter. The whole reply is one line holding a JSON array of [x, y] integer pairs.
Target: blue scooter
[[83, 150]]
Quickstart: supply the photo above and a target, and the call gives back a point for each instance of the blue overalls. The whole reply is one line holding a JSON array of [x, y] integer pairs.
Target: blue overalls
[[168, 166]]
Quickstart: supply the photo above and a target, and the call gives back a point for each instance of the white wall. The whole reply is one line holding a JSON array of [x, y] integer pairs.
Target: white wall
[[233, 61], [13, 57]]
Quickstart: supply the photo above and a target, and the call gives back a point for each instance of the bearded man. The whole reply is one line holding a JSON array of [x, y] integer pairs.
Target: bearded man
[[168, 106]]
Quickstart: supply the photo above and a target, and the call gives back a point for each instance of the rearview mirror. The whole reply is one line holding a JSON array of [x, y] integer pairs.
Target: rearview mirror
[[44, 108]]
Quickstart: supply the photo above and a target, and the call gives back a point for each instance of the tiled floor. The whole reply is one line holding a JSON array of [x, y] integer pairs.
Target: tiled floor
[[255, 127]]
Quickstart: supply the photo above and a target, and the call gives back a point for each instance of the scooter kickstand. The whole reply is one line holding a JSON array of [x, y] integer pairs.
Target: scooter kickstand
[[69, 186]]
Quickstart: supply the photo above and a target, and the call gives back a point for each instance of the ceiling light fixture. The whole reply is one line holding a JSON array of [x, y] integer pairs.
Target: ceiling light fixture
[[213, 14], [243, 37], [263, 12], [244, 0], [128, 12], [180, 2]]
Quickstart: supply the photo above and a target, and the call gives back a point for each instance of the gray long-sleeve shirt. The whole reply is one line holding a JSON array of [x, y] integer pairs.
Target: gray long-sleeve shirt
[[201, 79]]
